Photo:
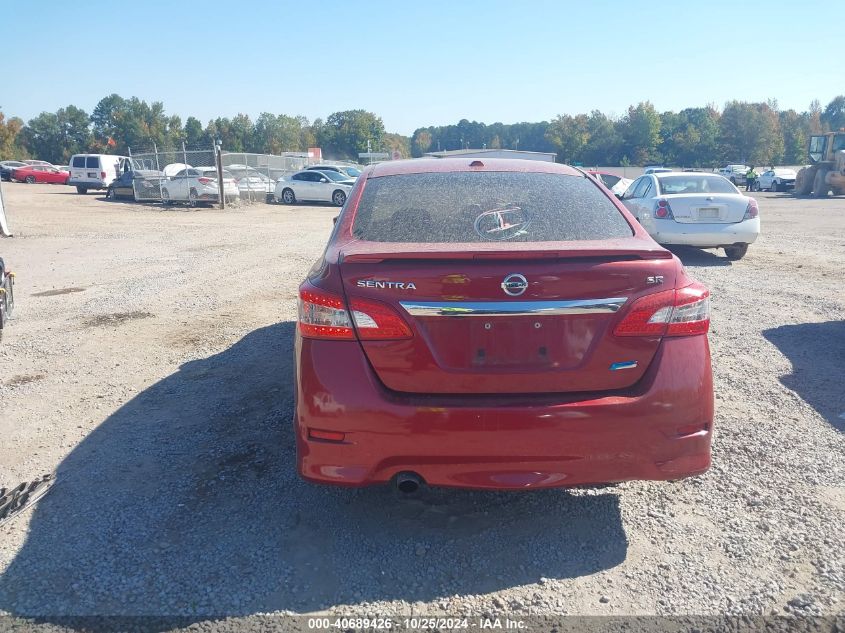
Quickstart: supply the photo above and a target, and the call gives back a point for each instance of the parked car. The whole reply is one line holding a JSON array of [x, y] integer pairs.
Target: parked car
[[616, 184], [319, 186], [8, 166], [695, 209], [7, 293], [145, 183], [734, 173], [777, 179], [196, 185], [505, 325], [40, 173], [346, 170], [38, 162], [250, 181], [96, 171]]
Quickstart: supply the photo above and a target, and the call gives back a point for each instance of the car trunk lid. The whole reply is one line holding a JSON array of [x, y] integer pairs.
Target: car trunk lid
[[508, 318], [709, 209]]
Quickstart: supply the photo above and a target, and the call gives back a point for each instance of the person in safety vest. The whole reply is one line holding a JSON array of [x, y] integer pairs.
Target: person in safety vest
[[750, 179]]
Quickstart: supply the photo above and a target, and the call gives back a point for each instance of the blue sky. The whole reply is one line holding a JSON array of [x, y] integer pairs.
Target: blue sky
[[416, 64]]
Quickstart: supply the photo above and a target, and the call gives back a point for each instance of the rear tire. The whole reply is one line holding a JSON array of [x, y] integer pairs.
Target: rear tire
[[339, 198], [736, 252], [774, 186], [110, 195], [192, 198], [820, 187], [165, 197], [30, 180], [82, 190], [733, 181], [288, 197]]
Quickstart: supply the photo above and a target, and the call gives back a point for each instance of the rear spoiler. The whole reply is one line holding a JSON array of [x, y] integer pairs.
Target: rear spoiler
[[597, 255]]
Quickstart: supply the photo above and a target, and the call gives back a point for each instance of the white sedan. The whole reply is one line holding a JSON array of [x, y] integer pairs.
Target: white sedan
[[777, 179], [694, 209], [319, 186], [250, 181], [195, 185]]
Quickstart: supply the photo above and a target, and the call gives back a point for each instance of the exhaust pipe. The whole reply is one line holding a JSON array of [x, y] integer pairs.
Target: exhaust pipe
[[408, 483]]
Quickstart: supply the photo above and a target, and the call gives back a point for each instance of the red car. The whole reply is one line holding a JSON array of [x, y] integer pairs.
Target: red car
[[41, 173], [500, 324]]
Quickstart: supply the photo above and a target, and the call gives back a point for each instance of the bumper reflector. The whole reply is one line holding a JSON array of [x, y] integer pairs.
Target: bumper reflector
[[326, 436]]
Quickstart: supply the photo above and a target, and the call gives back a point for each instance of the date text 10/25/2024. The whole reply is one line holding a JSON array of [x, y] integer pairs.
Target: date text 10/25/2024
[[420, 623]]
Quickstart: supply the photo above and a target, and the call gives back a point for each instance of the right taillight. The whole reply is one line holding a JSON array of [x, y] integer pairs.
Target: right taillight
[[326, 316], [752, 210], [681, 312]]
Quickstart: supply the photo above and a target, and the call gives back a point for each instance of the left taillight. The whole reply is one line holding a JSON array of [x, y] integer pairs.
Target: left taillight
[[663, 211], [325, 315], [681, 312]]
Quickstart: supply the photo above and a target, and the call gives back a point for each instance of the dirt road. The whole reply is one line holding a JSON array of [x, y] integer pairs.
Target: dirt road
[[149, 366]]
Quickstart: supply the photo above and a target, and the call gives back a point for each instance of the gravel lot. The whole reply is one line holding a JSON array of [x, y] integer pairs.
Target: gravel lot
[[149, 367]]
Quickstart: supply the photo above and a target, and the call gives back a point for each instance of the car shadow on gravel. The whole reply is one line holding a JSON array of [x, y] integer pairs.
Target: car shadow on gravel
[[817, 354], [697, 258], [185, 501]]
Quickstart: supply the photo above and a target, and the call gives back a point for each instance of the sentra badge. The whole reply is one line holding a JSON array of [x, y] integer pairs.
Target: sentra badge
[[398, 285]]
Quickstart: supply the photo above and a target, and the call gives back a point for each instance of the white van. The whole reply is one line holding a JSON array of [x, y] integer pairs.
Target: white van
[[96, 171]]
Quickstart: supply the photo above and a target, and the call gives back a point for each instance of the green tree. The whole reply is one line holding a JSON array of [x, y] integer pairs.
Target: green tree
[[10, 129], [569, 135], [834, 114], [605, 141], [397, 143], [420, 142], [795, 130], [276, 134], [56, 136], [193, 133], [751, 133], [345, 134], [641, 133]]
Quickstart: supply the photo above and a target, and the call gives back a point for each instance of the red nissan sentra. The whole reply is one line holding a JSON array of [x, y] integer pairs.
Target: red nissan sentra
[[500, 324]]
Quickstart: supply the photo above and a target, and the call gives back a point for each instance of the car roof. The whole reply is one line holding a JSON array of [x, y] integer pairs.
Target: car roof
[[443, 165], [661, 174]]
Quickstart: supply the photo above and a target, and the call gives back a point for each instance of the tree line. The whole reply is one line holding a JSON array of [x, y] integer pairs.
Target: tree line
[[758, 133], [117, 125], [755, 133]]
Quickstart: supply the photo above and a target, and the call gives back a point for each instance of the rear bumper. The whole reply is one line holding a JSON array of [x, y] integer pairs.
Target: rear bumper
[[660, 429], [705, 235], [88, 184]]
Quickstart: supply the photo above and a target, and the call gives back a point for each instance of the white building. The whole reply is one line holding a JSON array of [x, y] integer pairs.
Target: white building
[[493, 153]]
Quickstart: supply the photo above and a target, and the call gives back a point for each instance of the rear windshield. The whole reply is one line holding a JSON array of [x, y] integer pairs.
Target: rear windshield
[[92, 162], [212, 173], [694, 184], [335, 175], [486, 206], [609, 180]]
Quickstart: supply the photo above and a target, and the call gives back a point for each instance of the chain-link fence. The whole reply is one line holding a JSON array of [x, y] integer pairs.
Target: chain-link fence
[[257, 174], [177, 176], [191, 176]]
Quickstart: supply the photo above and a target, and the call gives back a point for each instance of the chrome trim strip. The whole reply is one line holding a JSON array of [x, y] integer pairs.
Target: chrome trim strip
[[512, 308]]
